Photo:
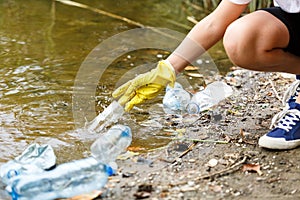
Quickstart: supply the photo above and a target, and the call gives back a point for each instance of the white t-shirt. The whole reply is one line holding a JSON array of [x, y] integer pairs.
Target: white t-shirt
[[291, 6]]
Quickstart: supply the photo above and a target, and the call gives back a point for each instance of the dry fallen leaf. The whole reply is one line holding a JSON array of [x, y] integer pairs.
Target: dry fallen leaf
[[243, 135], [252, 167], [136, 148], [190, 68], [195, 75], [192, 91], [142, 195], [127, 155], [227, 138]]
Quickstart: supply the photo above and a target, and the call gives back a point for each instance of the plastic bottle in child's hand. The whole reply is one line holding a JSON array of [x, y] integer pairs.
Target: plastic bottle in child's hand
[[108, 117]]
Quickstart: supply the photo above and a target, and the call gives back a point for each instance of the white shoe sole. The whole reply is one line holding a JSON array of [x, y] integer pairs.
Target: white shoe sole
[[277, 143]]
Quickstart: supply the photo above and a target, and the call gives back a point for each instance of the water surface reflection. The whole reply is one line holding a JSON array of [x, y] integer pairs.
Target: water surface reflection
[[42, 46]]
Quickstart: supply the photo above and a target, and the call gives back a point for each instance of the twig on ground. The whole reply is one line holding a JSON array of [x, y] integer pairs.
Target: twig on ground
[[230, 169], [190, 148], [175, 160], [242, 133], [202, 141], [195, 141]]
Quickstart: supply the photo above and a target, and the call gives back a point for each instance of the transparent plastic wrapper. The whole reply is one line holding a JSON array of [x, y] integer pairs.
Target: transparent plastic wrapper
[[34, 159], [210, 96], [175, 99], [111, 144], [66, 180], [109, 116]]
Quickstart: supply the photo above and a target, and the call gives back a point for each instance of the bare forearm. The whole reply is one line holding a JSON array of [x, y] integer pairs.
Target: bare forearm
[[205, 34]]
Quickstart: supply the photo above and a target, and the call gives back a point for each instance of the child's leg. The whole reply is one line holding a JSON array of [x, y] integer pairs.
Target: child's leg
[[261, 41], [257, 41]]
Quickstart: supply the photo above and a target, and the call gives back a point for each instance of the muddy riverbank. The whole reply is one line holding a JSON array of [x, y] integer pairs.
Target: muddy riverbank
[[224, 161]]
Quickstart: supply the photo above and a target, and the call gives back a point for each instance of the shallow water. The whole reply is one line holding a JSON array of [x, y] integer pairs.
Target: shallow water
[[43, 44]]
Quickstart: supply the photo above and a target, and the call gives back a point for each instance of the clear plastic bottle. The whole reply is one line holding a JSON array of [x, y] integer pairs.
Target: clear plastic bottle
[[66, 180], [210, 96], [175, 99], [111, 144], [109, 116], [35, 158]]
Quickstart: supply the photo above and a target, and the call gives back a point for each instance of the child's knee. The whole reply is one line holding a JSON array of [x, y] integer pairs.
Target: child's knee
[[239, 45], [232, 42]]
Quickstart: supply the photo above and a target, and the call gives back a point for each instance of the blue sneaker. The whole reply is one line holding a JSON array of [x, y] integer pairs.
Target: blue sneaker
[[286, 134]]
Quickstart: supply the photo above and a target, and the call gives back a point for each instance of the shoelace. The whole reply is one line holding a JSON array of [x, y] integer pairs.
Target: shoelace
[[291, 91], [286, 119]]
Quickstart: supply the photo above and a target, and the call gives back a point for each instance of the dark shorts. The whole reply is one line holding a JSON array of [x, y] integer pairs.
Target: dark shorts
[[291, 20]]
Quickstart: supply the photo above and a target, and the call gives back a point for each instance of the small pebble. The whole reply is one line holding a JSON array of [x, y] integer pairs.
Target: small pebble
[[212, 162]]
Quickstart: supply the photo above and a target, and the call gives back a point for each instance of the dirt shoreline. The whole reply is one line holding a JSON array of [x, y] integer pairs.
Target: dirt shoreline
[[215, 155], [235, 167]]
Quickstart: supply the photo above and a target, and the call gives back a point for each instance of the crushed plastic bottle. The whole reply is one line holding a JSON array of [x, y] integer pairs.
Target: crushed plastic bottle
[[109, 116], [35, 158], [210, 96], [176, 85], [175, 99], [111, 144], [66, 180]]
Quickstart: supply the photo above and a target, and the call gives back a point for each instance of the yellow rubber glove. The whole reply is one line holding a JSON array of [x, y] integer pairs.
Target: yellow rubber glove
[[146, 86]]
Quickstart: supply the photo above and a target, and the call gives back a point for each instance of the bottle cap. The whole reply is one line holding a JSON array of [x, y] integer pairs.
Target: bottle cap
[[11, 173], [12, 192], [193, 108], [109, 170], [126, 131]]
